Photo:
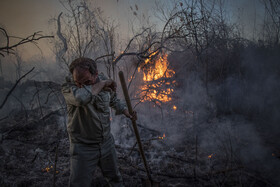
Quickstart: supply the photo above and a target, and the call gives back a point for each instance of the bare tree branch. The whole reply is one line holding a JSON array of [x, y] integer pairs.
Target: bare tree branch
[[7, 38], [15, 85], [103, 56], [29, 39], [62, 38]]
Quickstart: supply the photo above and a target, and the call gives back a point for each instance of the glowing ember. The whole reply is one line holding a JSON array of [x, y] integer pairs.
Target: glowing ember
[[210, 156], [161, 137], [155, 72], [130, 79], [174, 107], [48, 169]]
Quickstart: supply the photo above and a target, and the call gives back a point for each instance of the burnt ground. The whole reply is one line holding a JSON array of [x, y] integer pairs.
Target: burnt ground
[[28, 149], [220, 151]]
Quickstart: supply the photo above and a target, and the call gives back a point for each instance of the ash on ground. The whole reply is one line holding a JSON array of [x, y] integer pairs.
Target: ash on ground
[[219, 151]]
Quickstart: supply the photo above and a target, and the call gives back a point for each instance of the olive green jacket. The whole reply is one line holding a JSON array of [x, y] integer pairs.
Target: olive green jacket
[[89, 115]]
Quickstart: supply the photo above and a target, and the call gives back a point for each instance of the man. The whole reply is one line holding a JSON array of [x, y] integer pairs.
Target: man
[[89, 98]]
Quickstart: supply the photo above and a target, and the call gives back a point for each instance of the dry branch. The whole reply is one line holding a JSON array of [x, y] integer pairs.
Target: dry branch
[[103, 56], [4, 118], [62, 38], [15, 85], [155, 173], [55, 162], [29, 39]]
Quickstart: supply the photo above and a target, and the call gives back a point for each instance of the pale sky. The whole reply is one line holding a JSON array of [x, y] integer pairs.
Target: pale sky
[[24, 17]]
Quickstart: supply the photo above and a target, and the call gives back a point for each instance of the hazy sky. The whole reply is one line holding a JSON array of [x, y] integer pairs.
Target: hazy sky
[[24, 17]]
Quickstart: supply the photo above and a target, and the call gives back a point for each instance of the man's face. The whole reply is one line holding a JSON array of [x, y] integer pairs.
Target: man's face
[[83, 77]]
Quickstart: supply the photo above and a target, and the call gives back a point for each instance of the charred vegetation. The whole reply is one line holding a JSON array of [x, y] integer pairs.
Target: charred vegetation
[[207, 100]]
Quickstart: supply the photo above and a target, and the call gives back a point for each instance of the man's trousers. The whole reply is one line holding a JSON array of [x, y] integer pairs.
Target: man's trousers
[[85, 158]]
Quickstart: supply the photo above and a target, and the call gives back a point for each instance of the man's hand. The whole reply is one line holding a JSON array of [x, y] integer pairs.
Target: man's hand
[[110, 85], [133, 117]]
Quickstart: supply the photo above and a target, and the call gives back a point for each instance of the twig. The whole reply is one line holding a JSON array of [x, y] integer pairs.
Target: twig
[[21, 126], [258, 178], [56, 112], [128, 45], [179, 159], [61, 37], [39, 102], [8, 40], [55, 161], [22, 105], [29, 39], [144, 143], [47, 100], [132, 149], [195, 163], [147, 128], [4, 118], [34, 157], [15, 85], [103, 56], [133, 75], [156, 173], [227, 170], [231, 152]]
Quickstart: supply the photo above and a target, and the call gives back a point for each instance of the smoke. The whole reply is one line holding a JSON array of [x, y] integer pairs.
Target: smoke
[[247, 104], [45, 70], [236, 120], [255, 93]]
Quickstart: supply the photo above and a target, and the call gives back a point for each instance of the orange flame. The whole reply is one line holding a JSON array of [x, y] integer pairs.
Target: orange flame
[[159, 70], [155, 68], [174, 107]]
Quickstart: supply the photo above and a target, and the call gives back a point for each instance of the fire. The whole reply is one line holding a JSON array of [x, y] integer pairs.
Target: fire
[[48, 169], [210, 156], [155, 72], [159, 70], [162, 137], [174, 107]]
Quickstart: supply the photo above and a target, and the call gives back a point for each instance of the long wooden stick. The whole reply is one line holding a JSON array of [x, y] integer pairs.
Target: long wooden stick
[[127, 99]]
